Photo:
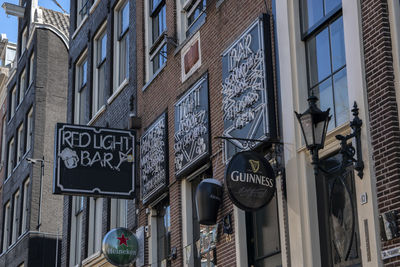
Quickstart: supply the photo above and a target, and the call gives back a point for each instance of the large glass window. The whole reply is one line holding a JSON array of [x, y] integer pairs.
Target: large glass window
[[29, 130], [20, 143], [100, 48], [81, 94], [195, 14], [24, 40], [14, 225], [157, 27], [82, 9], [121, 44], [22, 86], [31, 67], [6, 225], [11, 157], [118, 217], [326, 61], [13, 101], [76, 230], [3, 141], [163, 233], [25, 202]]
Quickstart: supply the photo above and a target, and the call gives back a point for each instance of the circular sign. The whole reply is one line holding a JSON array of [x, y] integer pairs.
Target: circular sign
[[120, 246], [250, 180]]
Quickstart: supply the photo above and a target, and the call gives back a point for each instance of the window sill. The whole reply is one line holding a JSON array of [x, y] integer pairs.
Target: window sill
[[154, 77], [94, 6], [91, 258], [118, 91], [96, 116], [79, 27]]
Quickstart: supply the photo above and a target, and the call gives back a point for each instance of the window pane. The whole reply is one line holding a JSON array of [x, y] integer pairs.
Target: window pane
[[197, 11], [159, 23], [82, 105], [337, 44], [312, 12], [101, 48], [325, 96], [331, 5], [124, 19], [319, 57], [123, 61], [159, 59], [341, 97]]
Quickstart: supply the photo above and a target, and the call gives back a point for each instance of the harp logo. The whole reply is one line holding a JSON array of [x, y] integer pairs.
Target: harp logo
[[255, 165]]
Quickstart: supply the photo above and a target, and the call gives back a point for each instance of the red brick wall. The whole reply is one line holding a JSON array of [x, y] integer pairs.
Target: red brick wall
[[223, 26], [384, 118]]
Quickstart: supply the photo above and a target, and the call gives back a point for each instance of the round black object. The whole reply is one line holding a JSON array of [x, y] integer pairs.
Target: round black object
[[250, 180], [208, 199]]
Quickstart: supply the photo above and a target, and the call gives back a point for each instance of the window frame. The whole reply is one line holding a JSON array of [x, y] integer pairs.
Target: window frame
[[31, 68], [119, 37], [20, 148], [13, 103], [22, 86], [29, 130], [25, 205], [81, 82], [165, 203], [10, 157], [75, 253], [97, 65], [6, 226], [15, 219], [95, 225], [3, 141], [24, 40], [118, 213], [80, 6]]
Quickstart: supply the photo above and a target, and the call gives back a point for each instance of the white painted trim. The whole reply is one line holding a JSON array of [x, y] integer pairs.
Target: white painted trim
[[79, 27], [94, 6], [118, 91], [239, 217], [96, 116], [357, 91], [394, 19], [187, 215]]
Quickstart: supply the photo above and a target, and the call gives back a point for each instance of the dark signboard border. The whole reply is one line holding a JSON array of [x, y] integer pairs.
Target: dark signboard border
[[58, 188], [202, 84]]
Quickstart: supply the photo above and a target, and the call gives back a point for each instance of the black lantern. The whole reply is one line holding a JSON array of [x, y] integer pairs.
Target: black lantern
[[314, 125], [208, 199]]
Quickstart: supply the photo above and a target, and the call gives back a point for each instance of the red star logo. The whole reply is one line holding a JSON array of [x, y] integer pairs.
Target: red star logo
[[122, 240]]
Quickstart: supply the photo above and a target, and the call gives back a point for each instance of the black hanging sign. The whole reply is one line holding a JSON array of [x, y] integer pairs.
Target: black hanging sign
[[250, 180], [192, 127], [247, 88], [153, 159], [94, 161]]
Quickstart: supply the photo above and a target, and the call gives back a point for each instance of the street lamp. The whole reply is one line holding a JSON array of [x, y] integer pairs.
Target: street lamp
[[314, 125]]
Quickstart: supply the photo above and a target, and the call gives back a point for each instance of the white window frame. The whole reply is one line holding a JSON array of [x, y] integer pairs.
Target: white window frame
[[152, 49], [13, 101], [10, 157], [3, 141], [29, 130], [24, 39], [24, 220], [117, 84], [14, 225], [20, 135], [183, 16], [95, 225], [76, 230], [80, 4], [22, 86], [119, 212], [102, 33], [31, 66], [6, 226], [81, 61]]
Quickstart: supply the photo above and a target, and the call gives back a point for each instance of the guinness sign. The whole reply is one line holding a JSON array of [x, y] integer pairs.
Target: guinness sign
[[250, 180]]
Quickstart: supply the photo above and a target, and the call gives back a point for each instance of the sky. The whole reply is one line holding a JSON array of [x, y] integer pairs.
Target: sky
[[9, 24]]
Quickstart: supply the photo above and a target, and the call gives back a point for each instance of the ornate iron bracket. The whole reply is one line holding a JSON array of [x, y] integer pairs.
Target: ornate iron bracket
[[347, 150]]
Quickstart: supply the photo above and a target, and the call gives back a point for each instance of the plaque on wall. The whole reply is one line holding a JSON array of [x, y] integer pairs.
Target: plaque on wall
[[94, 161], [153, 159], [247, 88], [192, 127]]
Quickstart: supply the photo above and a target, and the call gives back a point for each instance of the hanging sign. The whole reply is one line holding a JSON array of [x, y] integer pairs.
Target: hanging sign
[[120, 247], [192, 128], [250, 180], [94, 161], [247, 88], [153, 159]]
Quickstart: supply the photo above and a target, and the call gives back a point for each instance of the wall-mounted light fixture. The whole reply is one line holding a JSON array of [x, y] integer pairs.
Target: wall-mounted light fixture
[[314, 125]]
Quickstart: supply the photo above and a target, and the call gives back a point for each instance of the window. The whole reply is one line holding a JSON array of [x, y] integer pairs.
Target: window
[[29, 130], [3, 141], [191, 17], [81, 91], [31, 66], [326, 61], [163, 233], [82, 9], [156, 28], [13, 99], [11, 155], [24, 40], [22, 85], [14, 225], [121, 44], [76, 230], [118, 214], [24, 221], [100, 48], [6, 226], [20, 147], [95, 223]]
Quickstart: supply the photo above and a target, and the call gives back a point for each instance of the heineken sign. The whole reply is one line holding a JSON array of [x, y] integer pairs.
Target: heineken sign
[[120, 247], [250, 180], [94, 161]]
